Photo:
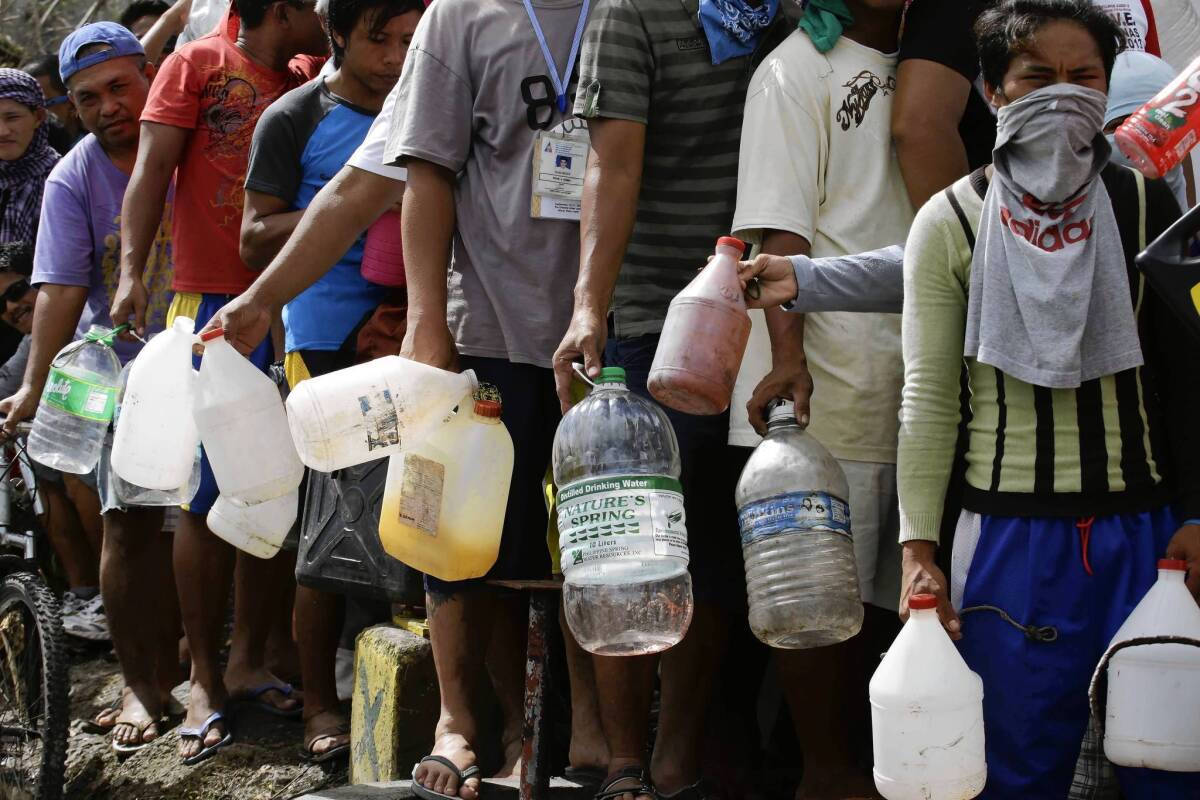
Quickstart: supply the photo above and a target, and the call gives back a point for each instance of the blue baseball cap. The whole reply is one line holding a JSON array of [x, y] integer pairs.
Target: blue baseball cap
[[120, 41]]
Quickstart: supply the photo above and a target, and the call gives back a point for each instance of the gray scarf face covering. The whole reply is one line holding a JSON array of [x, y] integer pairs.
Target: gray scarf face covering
[[1049, 300]]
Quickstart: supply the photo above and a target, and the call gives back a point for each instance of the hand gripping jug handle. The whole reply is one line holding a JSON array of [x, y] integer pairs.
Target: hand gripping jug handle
[[1173, 272]]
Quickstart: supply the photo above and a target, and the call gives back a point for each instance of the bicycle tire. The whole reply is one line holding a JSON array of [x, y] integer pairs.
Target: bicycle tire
[[43, 669]]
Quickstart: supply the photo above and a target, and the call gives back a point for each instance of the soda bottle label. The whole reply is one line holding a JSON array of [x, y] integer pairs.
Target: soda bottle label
[[80, 398], [621, 518], [794, 512]]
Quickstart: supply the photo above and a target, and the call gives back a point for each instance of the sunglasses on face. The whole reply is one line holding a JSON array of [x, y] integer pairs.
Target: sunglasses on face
[[14, 293]]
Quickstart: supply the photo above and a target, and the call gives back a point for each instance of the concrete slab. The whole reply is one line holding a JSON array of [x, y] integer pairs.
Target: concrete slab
[[560, 789]]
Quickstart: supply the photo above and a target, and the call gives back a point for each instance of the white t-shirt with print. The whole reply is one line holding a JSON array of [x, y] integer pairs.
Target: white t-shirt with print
[[817, 161], [1134, 18]]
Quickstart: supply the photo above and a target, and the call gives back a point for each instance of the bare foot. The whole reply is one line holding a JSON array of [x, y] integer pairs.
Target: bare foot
[[325, 731], [202, 705], [135, 723], [241, 684], [632, 784], [438, 778], [510, 740]]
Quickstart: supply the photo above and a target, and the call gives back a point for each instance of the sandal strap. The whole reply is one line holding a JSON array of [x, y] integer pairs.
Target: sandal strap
[[463, 774], [628, 773], [332, 732], [202, 731]]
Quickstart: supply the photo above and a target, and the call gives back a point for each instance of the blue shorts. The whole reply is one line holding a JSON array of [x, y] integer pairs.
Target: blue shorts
[[202, 308], [1045, 571]]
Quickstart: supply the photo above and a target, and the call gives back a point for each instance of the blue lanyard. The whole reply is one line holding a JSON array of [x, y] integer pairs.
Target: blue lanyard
[[560, 82]]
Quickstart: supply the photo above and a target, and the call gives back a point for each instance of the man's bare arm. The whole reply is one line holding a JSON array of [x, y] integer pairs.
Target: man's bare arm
[[789, 367], [267, 223], [56, 314], [929, 104], [427, 225]]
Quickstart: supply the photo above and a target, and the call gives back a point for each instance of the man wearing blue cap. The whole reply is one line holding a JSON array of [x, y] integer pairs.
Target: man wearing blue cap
[[76, 268]]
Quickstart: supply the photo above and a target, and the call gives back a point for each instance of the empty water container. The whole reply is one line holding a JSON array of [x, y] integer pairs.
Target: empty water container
[[258, 529]]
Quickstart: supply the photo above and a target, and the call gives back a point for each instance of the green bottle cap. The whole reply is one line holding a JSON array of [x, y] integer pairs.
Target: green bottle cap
[[611, 375]]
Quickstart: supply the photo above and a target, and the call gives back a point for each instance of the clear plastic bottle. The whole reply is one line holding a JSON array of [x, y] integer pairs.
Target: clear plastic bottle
[[77, 404], [622, 530], [443, 508], [801, 578]]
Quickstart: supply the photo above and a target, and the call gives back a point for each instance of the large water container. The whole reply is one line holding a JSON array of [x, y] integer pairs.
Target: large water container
[[1153, 713], [365, 412], [801, 579], [621, 524], [258, 529], [243, 426], [703, 338], [156, 439], [77, 404], [927, 714], [383, 252], [443, 508]]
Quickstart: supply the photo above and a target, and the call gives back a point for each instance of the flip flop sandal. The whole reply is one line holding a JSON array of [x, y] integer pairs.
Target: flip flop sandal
[[93, 725], [254, 697], [586, 777], [341, 729], [607, 792], [124, 751], [696, 791], [464, 775], [201, 732]]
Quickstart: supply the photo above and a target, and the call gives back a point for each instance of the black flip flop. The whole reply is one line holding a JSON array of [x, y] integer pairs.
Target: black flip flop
[[199, 733], [696, 791], [586, 777], [606, 792], [332, 753], [429, 794], [254, 697]]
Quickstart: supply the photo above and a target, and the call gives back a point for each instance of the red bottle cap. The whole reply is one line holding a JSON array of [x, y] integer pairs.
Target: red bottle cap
[[731, 241], [215, 333], [1173, 563], [922, 602], [489, 409]]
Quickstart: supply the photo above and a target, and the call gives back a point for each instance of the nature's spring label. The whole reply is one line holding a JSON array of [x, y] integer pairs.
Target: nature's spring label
[[621, 518]]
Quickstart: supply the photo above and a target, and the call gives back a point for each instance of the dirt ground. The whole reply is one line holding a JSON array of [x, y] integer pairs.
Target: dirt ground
[[263, 764]]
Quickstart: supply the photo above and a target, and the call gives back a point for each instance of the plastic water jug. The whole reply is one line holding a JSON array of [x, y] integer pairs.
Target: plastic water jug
[[621, 523], [156, 439], [927, 714], [383, 253], [77, 404], [703, 338], [365, 412], [258, 529], [444, 504], [243, 425], [801, 578], [132, 495], [1153, 713]]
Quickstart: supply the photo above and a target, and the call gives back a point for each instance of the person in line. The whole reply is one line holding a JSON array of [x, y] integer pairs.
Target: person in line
[[161, 37], [302, 139], [141, 15], [26, 156], [65, 127], [76, 267], [199, 120], [833, 88], [663, 87], [1082, 465]]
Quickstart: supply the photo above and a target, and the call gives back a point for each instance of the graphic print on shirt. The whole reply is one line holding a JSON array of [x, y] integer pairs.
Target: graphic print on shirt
[[232, 106], [157, 276], [863, 88]]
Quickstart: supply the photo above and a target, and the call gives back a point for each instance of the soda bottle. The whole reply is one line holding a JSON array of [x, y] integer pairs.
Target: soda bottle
[[1158, 135], [77, 404], [703, 338], [622, 531], [801, 579]]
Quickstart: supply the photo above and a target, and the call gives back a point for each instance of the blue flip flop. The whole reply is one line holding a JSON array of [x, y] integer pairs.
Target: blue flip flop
[[254, 698], [201, 732]]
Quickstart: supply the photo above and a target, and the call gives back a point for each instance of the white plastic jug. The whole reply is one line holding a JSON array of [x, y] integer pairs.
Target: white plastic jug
[[365, 412], [156, 438], [243, 426], [1153, 714], [927, 714], [259, 529], [445, 497]]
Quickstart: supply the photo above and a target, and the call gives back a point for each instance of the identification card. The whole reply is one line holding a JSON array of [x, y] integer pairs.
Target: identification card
[[559, 164]]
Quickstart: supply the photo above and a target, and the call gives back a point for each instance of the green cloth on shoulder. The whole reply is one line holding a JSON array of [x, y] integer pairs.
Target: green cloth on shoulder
[[824, 21]]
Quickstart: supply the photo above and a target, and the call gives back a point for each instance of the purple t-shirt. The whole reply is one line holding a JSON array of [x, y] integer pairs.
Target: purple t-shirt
[[79, 239]]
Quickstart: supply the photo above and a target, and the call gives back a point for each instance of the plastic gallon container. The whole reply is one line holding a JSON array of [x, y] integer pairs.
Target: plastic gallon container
[[365, 412], [243, 426], [77, 404], [133, 495], [801, 579], [703, 338], [383, 253], [443, 508], [257, 529], [1152, 719], [156, 438], [621, 524], [927, 714]]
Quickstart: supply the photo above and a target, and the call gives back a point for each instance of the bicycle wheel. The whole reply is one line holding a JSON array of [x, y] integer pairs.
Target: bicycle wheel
[[34, 705]]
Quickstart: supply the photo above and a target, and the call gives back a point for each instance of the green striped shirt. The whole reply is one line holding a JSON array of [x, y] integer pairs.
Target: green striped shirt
[[1122, 443], [648, 61]]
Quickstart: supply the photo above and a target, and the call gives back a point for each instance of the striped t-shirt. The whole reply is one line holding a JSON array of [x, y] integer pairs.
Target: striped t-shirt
[[1119, 444], [648, 61]]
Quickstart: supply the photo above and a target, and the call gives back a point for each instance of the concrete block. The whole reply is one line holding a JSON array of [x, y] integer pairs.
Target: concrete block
[[394, 707]]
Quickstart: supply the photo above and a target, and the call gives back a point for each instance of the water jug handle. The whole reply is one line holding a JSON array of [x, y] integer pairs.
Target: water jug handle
[[582, 373], [1171, 246], [1100, 675]]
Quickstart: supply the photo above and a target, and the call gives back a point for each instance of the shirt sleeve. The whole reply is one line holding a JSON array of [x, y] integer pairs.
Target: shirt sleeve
[[781, 168], [369, 156], [63, 254], [616, 64], [870, 282], [933, 327], [433, 118], [175, 94], [275, 154], [942, 31]]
